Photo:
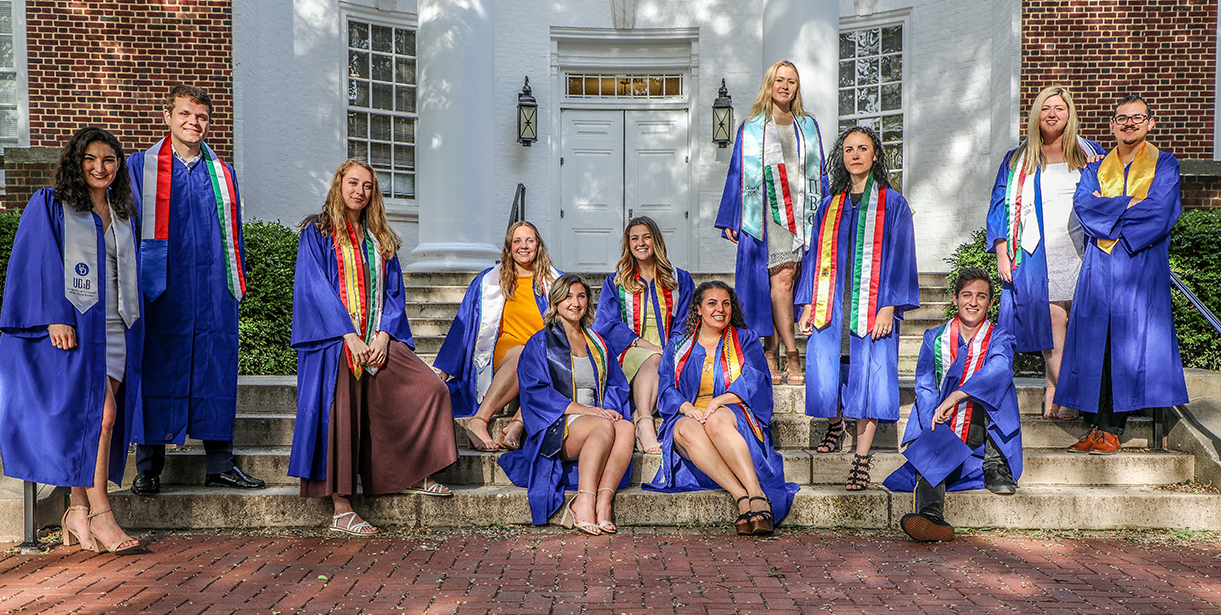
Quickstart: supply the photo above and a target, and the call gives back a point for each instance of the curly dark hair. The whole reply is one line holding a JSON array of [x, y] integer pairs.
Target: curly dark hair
[[736, 319], [840, 178], [72, 190]]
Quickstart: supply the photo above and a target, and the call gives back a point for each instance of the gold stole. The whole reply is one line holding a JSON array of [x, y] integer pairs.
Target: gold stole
[[1140, 177]]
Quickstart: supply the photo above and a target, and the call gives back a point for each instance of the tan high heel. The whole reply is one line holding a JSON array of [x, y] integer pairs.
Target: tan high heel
[[69, 534], [792, 368], [569, 520], [772, 365], [608, 526], [114, 548]]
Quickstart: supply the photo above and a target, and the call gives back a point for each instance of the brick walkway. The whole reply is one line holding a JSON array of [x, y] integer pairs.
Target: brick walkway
[[635, 571]]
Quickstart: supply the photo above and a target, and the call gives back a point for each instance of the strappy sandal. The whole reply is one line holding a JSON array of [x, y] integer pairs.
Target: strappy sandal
[[69, 533], [436, 490], [761, 520], [477, 443], [773, 366], [607, 526], [833, 438], [503, 440], [858, 478], [569, 520], [352, 528], [742, 524], [652, 450], [123, 545], [792, 368]]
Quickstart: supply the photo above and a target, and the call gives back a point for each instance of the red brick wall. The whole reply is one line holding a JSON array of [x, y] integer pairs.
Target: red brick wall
[[25, 172], [1201, 191], [1104, 49], [111, 63]]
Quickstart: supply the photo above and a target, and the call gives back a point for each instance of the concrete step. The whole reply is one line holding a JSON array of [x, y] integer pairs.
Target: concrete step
[[184, 465], [442, 310], [874, 508]]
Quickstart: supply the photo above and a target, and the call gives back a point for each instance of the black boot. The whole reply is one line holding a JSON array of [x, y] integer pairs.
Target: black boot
[[997, 477], [927, 524]]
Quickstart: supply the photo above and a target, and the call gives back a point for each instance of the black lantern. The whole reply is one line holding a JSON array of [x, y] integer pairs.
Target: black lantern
[[722, 117], [527, 116]]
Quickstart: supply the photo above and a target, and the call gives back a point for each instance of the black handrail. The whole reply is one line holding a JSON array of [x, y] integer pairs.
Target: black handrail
[[1159, 426], [517, 212]]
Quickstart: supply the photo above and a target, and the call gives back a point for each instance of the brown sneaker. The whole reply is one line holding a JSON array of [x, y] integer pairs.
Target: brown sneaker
[[1086, 442], [1105, 443]]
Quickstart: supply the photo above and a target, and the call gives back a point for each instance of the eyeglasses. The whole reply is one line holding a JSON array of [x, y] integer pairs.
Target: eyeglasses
[[1139, 118]]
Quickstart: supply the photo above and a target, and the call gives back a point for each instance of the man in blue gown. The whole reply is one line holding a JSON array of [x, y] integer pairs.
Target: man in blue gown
[[1121, 353], [192, 279]]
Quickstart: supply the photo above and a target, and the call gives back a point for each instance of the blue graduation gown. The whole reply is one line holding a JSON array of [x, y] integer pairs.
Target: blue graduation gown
[[990, 388], [751, 281], [191, 350], [544, 368], [457, 354], [619, 335], [51, 400], [1024, 303], [1127, 290], [754, 386], [870, 388], [320, 321]]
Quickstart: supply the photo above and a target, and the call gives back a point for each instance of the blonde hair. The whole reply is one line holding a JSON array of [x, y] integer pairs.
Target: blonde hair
[[1073, 156], [628, 268], [763, 101], [508, 268], [559, 292], [333, 219]]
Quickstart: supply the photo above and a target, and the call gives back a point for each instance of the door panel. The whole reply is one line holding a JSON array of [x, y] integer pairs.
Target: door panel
[[591, 189], [655, 176]]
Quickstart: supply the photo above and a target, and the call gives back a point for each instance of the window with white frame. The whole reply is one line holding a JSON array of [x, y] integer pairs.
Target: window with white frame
[[8, 78], [871, 87], [382, 103], [585, 85]]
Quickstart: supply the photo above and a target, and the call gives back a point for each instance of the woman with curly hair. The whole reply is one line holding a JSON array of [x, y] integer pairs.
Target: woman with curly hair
[[70, 353]]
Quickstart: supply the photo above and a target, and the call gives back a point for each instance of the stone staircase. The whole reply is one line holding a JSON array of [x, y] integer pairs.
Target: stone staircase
[[1058, 490]]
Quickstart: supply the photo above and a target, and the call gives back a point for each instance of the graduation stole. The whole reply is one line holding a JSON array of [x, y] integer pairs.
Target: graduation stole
[[945, 352], [766, 177], [730, 362], [1022, 232], [156, 219], [866, 260], [560, 361], [633, 309], [82, 278], [1139, 178], [360, 286]]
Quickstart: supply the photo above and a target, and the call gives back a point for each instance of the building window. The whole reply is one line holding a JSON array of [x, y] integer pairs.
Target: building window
[[381, 103], [624, 86], [8, 78], [871, 87]]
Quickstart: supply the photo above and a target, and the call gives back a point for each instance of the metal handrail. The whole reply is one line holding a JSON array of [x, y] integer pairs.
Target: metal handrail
[[517, 212], [1159, 426]]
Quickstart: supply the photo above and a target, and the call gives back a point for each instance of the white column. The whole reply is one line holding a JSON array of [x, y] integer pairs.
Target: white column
[[806, 32], [454, 137]]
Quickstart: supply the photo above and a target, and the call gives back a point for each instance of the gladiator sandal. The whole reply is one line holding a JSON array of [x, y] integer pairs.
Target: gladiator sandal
[[858, 477], [833, 438]]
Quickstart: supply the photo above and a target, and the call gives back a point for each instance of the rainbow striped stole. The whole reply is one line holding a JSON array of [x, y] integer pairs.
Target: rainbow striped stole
[[361, 286], [945, 352], [730, 363], [633, 308], [866, 260], [1112, 182], [599, 354]]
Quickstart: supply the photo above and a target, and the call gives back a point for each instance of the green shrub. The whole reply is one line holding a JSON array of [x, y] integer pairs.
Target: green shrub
[[8, 229], [266, 312]]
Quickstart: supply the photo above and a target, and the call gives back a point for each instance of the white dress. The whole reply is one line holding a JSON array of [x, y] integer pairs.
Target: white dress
[[1063, 236]]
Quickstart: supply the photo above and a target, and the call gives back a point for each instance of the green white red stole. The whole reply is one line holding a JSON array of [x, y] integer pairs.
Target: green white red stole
[[945, 352], [1022, 231], [866, 261], [361, 285], [158, 177], [633, 309], [731, 361]]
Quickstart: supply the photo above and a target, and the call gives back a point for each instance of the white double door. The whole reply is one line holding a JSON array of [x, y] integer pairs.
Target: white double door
[[614, 166]]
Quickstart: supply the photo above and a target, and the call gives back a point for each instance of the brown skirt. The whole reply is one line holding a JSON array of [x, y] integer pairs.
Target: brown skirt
[[391, 430]]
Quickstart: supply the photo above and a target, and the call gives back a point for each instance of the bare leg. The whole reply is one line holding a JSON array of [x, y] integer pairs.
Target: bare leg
[[343, 506], [693, 443], [612, 473], [104, 527], [1051, 358], [782, 307], [78, 520], [644, 392], [502, 391], [722, 430], [865, 430], [590, 441]]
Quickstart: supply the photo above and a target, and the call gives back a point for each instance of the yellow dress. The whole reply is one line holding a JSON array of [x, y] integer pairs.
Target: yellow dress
[[636, 356], [707, 384], [519, 320]]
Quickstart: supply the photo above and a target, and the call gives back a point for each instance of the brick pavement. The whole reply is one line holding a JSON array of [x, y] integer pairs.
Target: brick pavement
[[663, 570]]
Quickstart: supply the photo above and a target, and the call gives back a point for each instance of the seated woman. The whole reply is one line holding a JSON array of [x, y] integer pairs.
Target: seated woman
[[716, 404], [574, 403], [367, 406], [636, 316], [73, 337], [479, 355]]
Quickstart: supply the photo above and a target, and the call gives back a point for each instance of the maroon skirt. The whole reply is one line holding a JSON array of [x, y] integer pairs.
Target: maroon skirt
[[390, 431]]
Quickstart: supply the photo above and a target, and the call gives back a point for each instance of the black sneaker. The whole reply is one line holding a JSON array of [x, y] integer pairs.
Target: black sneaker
[[926, 529]]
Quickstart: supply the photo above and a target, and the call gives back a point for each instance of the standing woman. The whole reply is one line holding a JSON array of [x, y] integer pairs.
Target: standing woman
[[855, 285], [502, 308], [367, 407], [716, 406], [1037, 238], [72, 342], [776, 181], [574, 404], [636, 316]]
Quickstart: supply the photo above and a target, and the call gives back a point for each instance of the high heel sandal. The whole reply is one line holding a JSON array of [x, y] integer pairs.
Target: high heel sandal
[[503, 440], [607, 526], [69, 533], [792, 368], [833, 438], [773, 366], [761, 520], [569, 520], [742, 524], [112, 548], [652, 450], [477, 443], [858, 477]]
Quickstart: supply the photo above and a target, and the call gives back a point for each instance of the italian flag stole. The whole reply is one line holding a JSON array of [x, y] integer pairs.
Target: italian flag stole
[[866, 263], [945, 352], [730, 364], [361, 285], [158, 177], [633, 309]]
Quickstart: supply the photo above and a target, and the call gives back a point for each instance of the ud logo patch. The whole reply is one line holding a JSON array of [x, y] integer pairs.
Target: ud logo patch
[[82, 269]]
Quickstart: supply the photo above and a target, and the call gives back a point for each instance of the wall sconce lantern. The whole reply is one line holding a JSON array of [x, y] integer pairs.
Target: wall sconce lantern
[[722, 117], [527, 116]]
